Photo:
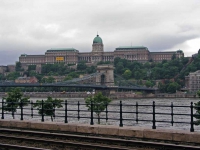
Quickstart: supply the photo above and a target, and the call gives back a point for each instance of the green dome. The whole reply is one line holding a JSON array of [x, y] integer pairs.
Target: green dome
[[179, 51], [97, 39]]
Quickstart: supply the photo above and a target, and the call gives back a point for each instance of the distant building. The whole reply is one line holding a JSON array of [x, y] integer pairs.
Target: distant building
[[192, 81], [73, 56], [11, 68], [3, 69], [26, 80]]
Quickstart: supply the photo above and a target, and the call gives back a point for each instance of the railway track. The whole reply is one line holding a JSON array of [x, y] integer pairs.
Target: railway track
[[27, 139]]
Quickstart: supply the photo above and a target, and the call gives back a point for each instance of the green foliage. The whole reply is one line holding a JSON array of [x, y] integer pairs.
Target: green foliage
[[99, 103], [67, 78], [14, 100], [49, 106], [173, 87], [31, 67], [18, 66], [165, 70], [127, 74], [149, 84], [57, 68], [32, 73], [73, 74], [48, 80], [173, 56], [152, 70], [13, 76], [1, 76], [91, 69], [81, 66], [169, 87]]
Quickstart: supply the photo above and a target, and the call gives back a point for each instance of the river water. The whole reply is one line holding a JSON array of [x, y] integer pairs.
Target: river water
[[128, 113]]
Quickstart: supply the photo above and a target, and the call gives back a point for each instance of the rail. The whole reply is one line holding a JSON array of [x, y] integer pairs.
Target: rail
[[76, 141], [129, 114]]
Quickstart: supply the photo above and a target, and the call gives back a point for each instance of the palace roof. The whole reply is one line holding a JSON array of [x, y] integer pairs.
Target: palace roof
[[131, 48], [62, 49]]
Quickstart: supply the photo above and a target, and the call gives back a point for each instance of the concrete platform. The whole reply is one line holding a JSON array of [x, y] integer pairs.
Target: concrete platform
[[134, 132]]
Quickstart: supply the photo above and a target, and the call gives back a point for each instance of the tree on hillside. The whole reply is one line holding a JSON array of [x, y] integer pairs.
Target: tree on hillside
[[14, 100], [149, 84], [18, 66], [127, 74], [31, 67], [48, 106], [99, 103], [48, 80], [81, 66], [91, 69], [73, 74], [67, 78], [173, 56], [119, 68], [1, 76], [13, 75]]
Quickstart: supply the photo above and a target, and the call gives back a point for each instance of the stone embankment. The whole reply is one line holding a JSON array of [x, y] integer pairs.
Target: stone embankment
[[132, 132]]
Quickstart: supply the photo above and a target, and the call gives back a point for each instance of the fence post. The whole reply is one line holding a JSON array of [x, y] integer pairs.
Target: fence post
[[136, 112], [78, 110], [91, 122], [54, 105], [121, 119], [12, 109], [2, 109], [106, 112], [66, 121], [42, 111], [21, 105], [172, 114], [32, 109], [192, 122], [154, 118]]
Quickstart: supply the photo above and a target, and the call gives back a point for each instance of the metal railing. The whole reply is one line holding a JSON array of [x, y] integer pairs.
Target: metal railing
[[117, 113]]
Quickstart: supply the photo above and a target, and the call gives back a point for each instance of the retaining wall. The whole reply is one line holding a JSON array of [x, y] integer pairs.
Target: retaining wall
[[136, 132]]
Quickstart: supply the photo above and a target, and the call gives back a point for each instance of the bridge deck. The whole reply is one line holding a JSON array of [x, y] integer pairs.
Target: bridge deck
[[95, 86]]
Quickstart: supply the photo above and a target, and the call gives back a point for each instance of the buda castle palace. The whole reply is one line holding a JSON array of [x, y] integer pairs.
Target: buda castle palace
[[73, 56]]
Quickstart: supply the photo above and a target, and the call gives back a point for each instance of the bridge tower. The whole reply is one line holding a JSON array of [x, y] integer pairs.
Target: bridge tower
[[106, 78]]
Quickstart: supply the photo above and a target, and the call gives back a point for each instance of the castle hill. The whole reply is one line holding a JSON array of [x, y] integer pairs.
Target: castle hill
[[146, 73]]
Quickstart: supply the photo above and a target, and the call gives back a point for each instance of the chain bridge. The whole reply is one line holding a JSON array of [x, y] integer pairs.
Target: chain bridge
[[103, 79]]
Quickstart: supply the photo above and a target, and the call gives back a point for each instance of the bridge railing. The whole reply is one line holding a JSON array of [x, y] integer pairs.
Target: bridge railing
[[119, 113]]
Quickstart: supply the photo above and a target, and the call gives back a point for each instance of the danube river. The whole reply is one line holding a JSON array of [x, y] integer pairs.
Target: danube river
[[129, 113]]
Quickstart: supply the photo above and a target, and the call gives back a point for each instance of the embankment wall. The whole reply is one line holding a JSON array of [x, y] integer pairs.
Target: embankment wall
[[134, 132]]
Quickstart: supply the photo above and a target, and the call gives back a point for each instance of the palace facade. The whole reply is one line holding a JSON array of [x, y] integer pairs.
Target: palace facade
[[73, 56]]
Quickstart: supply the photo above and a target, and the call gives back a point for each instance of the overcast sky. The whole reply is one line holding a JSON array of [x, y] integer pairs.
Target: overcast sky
[[33, 26]]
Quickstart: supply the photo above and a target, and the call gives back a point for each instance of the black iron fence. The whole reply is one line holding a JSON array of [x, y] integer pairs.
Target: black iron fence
[[131, 114]]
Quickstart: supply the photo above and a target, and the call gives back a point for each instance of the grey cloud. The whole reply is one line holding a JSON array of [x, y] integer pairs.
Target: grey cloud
[[163, 42], [32, 27]]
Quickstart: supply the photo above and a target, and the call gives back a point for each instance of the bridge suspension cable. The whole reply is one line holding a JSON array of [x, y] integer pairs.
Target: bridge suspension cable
[[122, 80], [83, 78]]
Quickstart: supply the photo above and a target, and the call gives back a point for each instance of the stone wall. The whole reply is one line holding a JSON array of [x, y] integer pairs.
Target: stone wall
[[133, 132]]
